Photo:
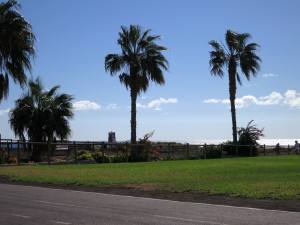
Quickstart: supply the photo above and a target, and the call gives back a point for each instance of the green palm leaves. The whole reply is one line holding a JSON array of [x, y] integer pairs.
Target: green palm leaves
[[16, 46], [140, 62], [42, 115], [237, 53]]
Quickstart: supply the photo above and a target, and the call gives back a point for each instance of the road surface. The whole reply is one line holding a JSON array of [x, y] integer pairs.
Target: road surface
[[26, 205]]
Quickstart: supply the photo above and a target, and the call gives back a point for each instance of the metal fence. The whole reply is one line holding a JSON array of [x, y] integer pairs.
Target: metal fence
[[19, 152]]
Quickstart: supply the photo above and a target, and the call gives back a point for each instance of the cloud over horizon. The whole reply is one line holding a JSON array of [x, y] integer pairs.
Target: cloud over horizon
[[86, 105], [290, 98], [157, 103], [112, 106], [4, 111], [269, 75]]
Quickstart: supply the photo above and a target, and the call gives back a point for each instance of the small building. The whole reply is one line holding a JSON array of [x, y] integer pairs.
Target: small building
[[112, 137]]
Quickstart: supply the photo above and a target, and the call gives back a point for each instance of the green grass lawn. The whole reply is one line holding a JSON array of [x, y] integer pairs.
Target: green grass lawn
[[275, 177]]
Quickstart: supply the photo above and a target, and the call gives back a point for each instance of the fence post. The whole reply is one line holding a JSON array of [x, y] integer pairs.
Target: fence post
[[221, 150], [18, 153], [251, 150], [169, 155], [75, 151], [127, 152], [48, 152], [148, 149], [11, 144], [103, 153], [288, 149], [188, 151], [264, 149], [236, 150], [7, 145], [204, 151]]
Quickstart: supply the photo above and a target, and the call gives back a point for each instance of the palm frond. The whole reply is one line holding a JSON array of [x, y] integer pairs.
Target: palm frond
[[217, 58], [231, 41], [4, 86], [114, 63], [249, 60], [41, 114], [52, 91], [16, 43], [125, 79], [141, 59]]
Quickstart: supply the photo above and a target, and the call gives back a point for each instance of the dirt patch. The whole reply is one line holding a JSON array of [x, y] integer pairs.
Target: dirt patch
[[149, 191]]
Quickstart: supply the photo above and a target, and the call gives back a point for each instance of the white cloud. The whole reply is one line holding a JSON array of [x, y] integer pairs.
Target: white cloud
[[112, 106], [139, 105], [290, 98], [212, 100], [156, 104], [4, 111], [269, 75], [86, 105], [274, 98], [244, 101]]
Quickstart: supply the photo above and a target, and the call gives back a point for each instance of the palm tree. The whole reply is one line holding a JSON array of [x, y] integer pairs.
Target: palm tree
[[140, 61], [237, 53], [41, 115], [16, 46]]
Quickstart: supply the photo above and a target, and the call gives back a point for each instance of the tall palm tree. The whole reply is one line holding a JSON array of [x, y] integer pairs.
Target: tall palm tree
[[237, 53], [16, 46], [41, 115], [140, 61]]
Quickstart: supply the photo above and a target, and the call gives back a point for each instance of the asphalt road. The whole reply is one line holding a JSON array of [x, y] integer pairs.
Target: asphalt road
[[26, 205]]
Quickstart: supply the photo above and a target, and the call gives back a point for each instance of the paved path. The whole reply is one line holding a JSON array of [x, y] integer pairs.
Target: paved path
[[24, 205]]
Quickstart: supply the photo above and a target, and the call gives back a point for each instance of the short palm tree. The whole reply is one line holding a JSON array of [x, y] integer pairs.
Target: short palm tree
[[16, 46], [41, 115], [140, 61], [237, 53]]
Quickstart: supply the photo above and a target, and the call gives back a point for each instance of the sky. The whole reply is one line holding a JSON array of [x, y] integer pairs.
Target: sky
[[73, 38]]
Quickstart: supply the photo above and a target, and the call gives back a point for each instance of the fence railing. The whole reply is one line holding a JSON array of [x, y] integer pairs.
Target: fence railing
[[17, 151]]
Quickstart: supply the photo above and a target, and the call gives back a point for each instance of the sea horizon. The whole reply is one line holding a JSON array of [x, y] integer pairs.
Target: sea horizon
[[265, 141]]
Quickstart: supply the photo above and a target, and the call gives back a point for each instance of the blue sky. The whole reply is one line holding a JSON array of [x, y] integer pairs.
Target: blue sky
[[73, 37]]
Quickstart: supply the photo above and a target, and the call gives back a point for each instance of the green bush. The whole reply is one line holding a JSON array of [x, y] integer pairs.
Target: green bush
[[118, 159], [84, 155], [143, 151], [240, 150], [99, 157], [213, 152], [2, 158]]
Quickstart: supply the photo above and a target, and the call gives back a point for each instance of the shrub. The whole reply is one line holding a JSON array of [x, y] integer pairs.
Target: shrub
[[229, 148], [247, 144], [84, 155], [2, 157], [213, 152], [118, 159], [155, 153], [239, 150], [99, 157], [250, 134], [12, 159], [142, 151]]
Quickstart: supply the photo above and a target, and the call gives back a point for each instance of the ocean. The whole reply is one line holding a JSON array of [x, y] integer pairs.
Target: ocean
[[281, 141]]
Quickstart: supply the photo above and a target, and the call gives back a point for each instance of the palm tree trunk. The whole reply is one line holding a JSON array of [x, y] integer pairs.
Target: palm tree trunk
[[232, 94], [133, 95]]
